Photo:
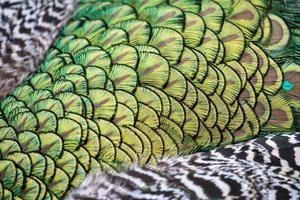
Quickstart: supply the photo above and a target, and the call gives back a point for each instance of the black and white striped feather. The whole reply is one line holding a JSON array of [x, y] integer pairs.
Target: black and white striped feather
[[264, 168]]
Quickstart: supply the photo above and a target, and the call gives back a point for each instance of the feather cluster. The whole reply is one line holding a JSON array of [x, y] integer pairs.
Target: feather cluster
[[133, 81]]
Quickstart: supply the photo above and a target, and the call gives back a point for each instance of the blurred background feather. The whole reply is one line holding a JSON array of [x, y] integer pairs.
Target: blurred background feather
[[27, 29]]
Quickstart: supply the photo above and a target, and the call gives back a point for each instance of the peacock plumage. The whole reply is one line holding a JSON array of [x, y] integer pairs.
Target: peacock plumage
[[133, 81]]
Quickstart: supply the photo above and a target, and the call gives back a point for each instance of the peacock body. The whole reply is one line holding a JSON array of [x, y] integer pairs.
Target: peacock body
[[132, 81]]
